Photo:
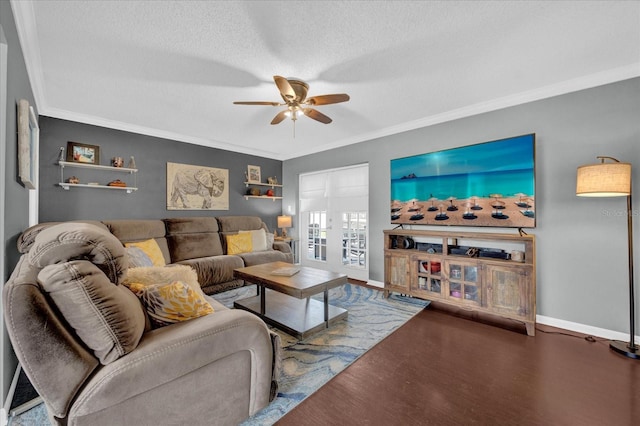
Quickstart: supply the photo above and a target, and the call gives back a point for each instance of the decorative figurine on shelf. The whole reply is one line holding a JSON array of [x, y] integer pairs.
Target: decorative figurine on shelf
[[117, 183], [61, 154], [132, 163], [117, 161], [254, 191], [73, 180], [269, 193], [272, 180]]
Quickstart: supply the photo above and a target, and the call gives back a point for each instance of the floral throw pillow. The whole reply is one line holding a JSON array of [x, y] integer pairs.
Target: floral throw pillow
[[170, 303]]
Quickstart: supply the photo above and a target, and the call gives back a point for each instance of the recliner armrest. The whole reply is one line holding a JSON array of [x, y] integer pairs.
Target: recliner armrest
[[168, 353], [282, 246]]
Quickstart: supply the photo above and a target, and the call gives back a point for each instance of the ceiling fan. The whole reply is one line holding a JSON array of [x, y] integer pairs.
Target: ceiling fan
[[294, 94]]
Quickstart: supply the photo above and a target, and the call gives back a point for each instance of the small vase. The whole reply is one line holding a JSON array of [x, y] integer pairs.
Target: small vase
[[132, 163]]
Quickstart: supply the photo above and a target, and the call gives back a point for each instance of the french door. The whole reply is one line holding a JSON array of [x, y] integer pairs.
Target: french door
[[333, 220]]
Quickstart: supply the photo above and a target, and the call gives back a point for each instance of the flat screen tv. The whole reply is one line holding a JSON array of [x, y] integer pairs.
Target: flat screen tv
[[486, 184]]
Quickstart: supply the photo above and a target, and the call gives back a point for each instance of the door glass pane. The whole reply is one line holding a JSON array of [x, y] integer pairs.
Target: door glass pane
[[354, 239], [317, 235]]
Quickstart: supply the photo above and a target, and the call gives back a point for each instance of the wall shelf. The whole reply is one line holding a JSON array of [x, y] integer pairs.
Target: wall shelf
[[66, 185], [64, 164], [264, 197], [272, 185], [269, 185]]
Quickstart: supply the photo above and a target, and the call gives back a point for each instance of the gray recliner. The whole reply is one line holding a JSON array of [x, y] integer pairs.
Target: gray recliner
[[87, 347]]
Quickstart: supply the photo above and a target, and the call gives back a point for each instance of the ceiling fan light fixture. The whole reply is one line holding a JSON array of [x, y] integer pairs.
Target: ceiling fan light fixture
[[294, 94]]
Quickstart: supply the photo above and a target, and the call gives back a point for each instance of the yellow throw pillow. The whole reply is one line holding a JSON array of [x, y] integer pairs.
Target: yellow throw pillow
[[239, 243], [172, 302], [151, 249]]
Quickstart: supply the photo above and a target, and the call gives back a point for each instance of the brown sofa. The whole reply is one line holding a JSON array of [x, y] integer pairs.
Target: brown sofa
[[199, 242], [86, 344]]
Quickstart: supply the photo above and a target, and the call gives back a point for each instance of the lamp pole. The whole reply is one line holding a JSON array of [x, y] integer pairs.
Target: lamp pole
[[631, 349], [612, 180]]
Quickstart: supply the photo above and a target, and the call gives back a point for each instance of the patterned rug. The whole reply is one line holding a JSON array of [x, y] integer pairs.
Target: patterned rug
[[310, 363]]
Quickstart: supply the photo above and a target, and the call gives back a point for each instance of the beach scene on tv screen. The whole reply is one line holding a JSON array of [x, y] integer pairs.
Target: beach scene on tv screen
[[486, 184]]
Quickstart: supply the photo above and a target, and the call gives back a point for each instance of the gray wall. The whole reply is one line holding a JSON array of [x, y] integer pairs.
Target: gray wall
[[151, 155], [581, 243], [16, 201]]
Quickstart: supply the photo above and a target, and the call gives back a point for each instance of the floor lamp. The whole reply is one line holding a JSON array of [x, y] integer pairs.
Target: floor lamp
[[613, 179]]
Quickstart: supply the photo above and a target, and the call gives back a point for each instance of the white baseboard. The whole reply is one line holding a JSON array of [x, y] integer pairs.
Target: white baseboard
[[584, 329], [566, 325]]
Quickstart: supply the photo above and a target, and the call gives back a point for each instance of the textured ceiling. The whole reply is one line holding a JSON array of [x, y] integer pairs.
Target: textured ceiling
[[173, 68]]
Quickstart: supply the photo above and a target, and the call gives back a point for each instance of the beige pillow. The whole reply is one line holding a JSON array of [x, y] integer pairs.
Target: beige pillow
[[258, 239], [107, 317]]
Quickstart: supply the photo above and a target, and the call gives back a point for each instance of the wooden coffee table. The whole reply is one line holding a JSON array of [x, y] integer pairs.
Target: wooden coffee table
[[284, 302]]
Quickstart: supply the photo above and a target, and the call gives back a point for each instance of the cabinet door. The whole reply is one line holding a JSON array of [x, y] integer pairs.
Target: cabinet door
[[396, 271], [464, 281], [426, 278], [509, 290]]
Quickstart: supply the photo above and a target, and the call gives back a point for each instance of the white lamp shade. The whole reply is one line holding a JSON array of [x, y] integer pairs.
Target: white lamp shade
[[284, 221], [604, 180]]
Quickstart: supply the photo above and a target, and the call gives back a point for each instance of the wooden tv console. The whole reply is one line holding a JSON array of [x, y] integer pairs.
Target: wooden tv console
[[434, 265]]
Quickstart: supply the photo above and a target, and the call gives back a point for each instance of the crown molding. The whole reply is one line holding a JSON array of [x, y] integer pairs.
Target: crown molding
[[147, 131], [562, 88], [25, 19]]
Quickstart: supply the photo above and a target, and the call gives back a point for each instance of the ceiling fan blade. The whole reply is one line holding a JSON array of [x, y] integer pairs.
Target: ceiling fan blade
[[316, 115], [287, 92], [279, 117], [327, 99], [257, 103]]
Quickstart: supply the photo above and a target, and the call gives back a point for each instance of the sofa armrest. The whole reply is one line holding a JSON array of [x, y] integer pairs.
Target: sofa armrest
[[167, 354], [282, 246]]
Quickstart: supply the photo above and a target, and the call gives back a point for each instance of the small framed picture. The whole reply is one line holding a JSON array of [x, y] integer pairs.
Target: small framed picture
[[253, 174], [83, 153]]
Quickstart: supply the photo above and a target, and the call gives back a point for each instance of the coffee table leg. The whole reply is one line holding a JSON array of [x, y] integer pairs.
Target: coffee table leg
[[326, 308], [262, 299]]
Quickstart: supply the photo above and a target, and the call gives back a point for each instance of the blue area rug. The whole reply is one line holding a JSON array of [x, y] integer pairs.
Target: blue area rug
[[310, 363]]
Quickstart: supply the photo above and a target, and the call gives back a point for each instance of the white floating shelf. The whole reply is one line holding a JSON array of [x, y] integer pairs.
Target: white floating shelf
[[66, 186]]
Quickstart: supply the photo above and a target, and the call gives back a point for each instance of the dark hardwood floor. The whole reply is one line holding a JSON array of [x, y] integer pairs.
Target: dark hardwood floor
[[443, 369]]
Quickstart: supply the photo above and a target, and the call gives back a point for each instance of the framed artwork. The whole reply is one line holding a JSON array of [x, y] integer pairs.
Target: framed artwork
[[196, 187], [28, 141], [83, 153], [253, 174]]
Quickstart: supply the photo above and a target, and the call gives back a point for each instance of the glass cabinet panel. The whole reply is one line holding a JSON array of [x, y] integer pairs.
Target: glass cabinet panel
[[464, 281], [427, 275]]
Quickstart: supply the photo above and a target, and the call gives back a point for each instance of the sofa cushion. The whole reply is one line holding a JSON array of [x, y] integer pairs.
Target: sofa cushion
[[173, 302], [260, 257], [27, 238], [239, 243], [238, 223], [71, 241], [132, 230], [215, 269], [108, 318], [190, 225], [151, 248], [191, 238]]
